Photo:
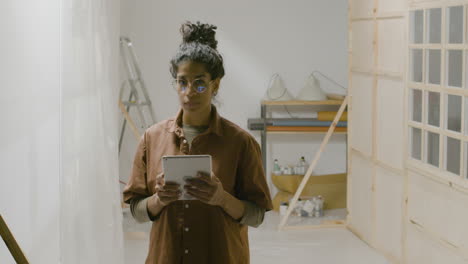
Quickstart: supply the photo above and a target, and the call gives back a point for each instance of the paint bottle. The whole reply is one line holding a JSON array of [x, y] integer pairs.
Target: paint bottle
[[303, 165], [319, 206], [283, 208], [276, 168]]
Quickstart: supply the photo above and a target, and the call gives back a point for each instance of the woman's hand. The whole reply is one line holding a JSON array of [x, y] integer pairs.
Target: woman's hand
[[167, 192], [206, 188]]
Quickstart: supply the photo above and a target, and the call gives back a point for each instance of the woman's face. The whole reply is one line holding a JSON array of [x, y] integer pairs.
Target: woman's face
[[195, 87]]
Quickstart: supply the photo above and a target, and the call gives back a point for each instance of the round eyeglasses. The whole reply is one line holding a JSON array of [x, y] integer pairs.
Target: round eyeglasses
[[199, 85]]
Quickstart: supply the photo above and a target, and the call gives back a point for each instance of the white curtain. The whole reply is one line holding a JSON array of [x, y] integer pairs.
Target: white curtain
[[90, 218]]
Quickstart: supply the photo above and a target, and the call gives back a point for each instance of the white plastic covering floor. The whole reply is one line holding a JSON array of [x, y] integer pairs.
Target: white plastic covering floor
[[269, 246]]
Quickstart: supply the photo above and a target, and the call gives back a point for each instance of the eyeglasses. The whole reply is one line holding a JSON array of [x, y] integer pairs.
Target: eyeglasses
[[182, 85]]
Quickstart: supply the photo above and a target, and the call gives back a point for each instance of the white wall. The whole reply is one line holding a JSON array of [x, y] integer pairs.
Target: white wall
[[257, 39], [58, 144]]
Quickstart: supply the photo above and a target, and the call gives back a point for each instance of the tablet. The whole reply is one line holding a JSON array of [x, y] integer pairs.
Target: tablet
[[176, 168]]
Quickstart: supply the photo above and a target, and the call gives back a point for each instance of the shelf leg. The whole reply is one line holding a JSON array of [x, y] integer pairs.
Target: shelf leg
[[263, 137], [299, 190]]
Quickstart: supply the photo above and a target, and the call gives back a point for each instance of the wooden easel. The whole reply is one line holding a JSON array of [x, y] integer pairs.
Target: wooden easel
[[312, 166], [11, 243]]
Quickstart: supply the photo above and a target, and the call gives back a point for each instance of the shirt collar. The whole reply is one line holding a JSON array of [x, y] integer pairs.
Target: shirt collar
[[214, 125]]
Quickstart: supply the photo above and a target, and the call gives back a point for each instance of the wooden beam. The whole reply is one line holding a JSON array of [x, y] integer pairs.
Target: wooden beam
[[313, 164], [129, 119], [11, 243]]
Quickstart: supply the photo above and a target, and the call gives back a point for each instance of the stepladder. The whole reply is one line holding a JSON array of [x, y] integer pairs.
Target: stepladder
[[134, 101]]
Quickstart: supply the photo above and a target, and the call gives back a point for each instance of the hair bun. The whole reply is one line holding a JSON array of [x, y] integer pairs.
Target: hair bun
[[198, 32]]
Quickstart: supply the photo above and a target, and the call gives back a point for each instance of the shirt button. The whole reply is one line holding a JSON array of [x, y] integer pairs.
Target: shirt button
[[185, 141], [186, 229], [186, 206], [186, 251]]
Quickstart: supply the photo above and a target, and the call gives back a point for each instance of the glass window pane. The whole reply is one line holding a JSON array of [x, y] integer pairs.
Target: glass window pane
[[433, 148], [455, 24], [454, 68], [454, 108], [453, 155], [416, 65], [417, 26], [466, 117], [417, 105], [433, 66], [466, 159], [433, 109], [434, 25], [416, 139]]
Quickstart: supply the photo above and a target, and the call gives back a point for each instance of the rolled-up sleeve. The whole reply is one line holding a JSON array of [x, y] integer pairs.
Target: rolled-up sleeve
[[136, 186], [139, 209], [253, 214]]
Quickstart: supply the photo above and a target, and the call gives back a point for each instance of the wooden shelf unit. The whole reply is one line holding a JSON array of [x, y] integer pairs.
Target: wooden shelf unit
[[303, 129], [328, 131], [295, 129], [298, 102]]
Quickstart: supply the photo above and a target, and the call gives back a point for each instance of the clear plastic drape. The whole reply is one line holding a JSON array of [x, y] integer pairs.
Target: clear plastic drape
[[90, 213]]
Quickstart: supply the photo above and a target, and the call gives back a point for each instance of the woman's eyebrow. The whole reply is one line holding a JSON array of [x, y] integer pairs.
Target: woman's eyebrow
[[196, 77]]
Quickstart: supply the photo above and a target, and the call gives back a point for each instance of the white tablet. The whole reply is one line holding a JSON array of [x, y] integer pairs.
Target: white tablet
[[176, 168]]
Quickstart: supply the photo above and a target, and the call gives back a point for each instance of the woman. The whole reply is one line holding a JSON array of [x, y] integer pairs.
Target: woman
[[213, 227]]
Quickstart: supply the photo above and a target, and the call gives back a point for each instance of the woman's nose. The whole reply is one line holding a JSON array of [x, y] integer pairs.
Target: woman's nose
[[191, 92]]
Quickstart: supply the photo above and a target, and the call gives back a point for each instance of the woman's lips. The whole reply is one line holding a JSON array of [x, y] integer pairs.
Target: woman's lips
[[191, 104]]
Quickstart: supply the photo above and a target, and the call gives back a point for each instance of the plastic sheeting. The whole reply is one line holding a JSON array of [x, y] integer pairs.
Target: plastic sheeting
[[59, 190], [90, 213]]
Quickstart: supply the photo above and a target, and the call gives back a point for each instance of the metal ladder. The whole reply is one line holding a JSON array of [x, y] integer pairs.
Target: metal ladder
[[135, 83]]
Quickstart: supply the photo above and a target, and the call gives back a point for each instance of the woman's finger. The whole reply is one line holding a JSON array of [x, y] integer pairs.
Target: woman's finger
[[203, 174], [205, 194], [199, 195], [171, 183], [199, 183], [171, 187], [201, 190], [170, 190], [169, 193]]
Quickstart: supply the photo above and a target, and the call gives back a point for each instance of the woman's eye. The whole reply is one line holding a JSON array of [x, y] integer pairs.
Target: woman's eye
[[201, 88], [182, 82]]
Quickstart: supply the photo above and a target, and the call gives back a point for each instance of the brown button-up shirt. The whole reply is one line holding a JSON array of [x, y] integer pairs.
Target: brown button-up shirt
[[191, 231]]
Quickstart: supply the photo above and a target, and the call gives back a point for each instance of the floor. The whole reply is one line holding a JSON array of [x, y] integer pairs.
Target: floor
[[267, 245]]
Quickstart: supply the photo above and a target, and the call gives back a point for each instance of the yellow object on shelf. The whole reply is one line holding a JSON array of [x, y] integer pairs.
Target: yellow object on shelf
[[329, 116], [299, 102], [331, 187]]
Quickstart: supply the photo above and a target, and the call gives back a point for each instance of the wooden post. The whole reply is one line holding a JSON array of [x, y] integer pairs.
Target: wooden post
[[130, 121], [11, 243], [314, 163]]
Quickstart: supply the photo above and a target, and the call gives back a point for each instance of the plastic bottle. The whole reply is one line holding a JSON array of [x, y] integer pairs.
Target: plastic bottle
[[319, 206], [276, 168], [302, 166], [283, 208]]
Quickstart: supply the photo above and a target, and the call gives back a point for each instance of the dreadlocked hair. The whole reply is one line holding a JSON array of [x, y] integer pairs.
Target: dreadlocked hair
[[199, 45]]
